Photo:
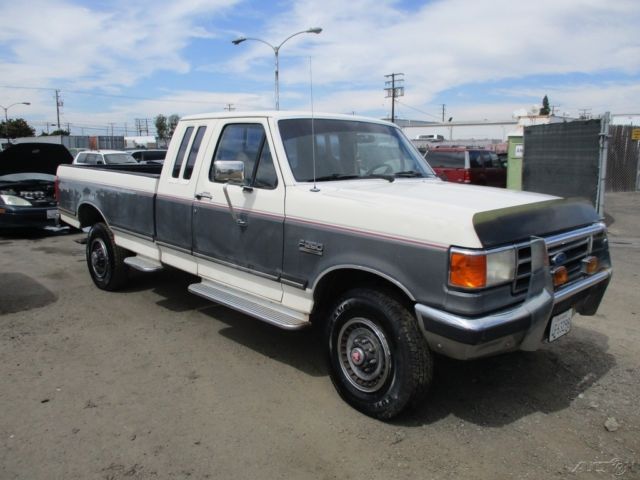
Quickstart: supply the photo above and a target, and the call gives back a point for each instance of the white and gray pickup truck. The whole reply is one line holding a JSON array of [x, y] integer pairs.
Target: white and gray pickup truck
[[339, 221]]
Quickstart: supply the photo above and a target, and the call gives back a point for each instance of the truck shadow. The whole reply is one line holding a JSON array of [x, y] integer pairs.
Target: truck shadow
[[497, 391], [299, 349], [490, 392]]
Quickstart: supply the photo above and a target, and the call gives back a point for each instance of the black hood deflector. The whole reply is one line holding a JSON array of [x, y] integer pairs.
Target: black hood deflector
[[34, 157], [518, 224]]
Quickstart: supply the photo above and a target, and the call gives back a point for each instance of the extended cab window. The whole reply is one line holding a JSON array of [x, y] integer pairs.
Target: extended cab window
[[248, 144], [193, 153], [181, 152]]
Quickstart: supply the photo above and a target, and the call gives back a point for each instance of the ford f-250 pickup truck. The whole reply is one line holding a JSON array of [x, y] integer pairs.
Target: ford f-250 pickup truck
[[339, 221]]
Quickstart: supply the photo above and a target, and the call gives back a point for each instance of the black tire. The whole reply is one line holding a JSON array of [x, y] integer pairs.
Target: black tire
[[379, 361], [105, 259]]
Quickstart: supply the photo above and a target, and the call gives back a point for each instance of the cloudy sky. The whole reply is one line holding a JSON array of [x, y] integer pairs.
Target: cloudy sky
[[115, 61]]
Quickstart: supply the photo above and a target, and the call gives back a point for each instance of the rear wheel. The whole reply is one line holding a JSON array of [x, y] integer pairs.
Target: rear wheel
[[378, 360], [105, 259]]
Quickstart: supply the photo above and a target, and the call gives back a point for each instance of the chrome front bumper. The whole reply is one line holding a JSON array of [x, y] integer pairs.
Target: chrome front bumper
[[519, 328]]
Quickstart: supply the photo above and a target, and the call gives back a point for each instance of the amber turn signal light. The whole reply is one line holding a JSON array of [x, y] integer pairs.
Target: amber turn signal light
[[560, 276], [590, 265], [468, 271]]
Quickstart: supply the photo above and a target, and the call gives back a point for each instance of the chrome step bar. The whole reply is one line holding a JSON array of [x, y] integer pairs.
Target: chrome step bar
[[261, 309], [144, 264]]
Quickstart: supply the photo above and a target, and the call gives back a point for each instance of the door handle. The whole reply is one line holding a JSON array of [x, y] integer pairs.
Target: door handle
[[201, 195]]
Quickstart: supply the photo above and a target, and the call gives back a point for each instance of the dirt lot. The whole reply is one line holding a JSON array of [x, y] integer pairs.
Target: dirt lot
[[154, 382]]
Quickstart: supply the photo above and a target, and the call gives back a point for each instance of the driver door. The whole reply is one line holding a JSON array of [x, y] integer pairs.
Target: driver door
[[238, 234]]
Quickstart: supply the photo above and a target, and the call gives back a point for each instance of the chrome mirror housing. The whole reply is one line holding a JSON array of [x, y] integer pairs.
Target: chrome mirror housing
[[229, 171]]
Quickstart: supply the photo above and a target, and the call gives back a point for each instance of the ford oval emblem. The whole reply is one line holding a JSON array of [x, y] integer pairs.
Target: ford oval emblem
[[558, 259]]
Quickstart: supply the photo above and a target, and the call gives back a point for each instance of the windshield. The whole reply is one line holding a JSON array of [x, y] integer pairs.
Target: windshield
[[346, 149], [112, 158]]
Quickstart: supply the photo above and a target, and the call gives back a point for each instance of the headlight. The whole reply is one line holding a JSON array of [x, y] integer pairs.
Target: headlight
[[480, 269], [16, 201]]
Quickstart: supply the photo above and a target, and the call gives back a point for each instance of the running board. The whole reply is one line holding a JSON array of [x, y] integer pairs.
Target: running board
[[143, 264], [261, 309]]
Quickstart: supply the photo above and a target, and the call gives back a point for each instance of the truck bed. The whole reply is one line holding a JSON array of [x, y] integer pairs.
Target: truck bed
[[123, 194]]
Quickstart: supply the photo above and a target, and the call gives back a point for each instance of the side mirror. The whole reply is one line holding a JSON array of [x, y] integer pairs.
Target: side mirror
[[229, 171]]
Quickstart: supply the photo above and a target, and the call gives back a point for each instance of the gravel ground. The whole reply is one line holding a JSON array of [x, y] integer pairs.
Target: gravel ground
[[153, 382]]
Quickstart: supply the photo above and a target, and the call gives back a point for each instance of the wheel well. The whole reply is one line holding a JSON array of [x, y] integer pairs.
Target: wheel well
[[88, 215], [336, 283]]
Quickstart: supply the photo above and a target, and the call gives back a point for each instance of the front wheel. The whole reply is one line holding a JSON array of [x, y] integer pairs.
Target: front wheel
[[105, 259], [378, 360]]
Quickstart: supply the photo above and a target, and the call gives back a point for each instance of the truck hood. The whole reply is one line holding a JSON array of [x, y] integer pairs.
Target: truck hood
[[33, 158], [435, 213]]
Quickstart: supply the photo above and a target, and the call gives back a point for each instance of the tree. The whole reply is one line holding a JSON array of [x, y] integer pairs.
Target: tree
[[15, 128], [545, 110], [161, 127], [173, 123], [64, 133]]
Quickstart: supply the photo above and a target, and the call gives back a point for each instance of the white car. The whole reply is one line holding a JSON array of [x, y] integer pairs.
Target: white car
[[103, 157]]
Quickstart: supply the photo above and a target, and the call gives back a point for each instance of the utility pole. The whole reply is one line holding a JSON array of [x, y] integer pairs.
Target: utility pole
[[585, 113], [142, 125], [443, 111], [394, 88], [229, 107], [59, 103]]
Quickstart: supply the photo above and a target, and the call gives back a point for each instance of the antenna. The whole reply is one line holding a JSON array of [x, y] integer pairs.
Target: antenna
[[313, 133]]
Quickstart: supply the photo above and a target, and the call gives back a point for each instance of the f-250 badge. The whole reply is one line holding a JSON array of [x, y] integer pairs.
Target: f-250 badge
[[314, 248]]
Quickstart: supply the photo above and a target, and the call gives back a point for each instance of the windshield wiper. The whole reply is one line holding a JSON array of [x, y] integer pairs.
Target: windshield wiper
[[391, 178], [342, 176], [333, 176], [409, 174]]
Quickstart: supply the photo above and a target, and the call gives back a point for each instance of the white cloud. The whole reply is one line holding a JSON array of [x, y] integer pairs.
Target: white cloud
[[445, 44], [438, 45], [98, 48]]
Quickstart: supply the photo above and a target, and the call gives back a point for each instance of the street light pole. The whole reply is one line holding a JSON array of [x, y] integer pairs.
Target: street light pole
[[6, 117], [276, 52]]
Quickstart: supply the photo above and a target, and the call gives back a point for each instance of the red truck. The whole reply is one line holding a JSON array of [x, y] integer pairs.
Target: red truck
[[468, 165]]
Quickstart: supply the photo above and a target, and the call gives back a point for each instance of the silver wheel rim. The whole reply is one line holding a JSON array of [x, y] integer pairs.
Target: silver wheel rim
[[364, 355], [99, 258]]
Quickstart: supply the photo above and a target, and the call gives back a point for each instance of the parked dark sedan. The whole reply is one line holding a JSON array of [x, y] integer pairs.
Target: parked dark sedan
[[27, 184]]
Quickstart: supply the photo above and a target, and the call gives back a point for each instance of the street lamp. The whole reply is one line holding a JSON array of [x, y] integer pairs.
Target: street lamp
[[276, 51], [6, 117]]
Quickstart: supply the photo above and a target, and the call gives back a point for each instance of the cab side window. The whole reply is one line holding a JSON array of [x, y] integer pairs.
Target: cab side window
[[248, 144], [193, 153], [181, 152]]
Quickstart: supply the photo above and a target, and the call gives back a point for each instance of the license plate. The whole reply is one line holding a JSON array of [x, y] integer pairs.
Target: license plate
[[52, 214], [560, 325]]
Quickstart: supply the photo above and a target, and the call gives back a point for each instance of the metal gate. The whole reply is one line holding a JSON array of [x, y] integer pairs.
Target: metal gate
[[564, 159], [623, 162]]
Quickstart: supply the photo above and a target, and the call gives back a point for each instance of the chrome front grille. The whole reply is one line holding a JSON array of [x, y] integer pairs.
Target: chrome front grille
[[523, 269], [566, 250]]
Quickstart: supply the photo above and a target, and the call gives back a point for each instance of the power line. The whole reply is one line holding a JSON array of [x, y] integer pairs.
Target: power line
[[130, 97], [418, 110]]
